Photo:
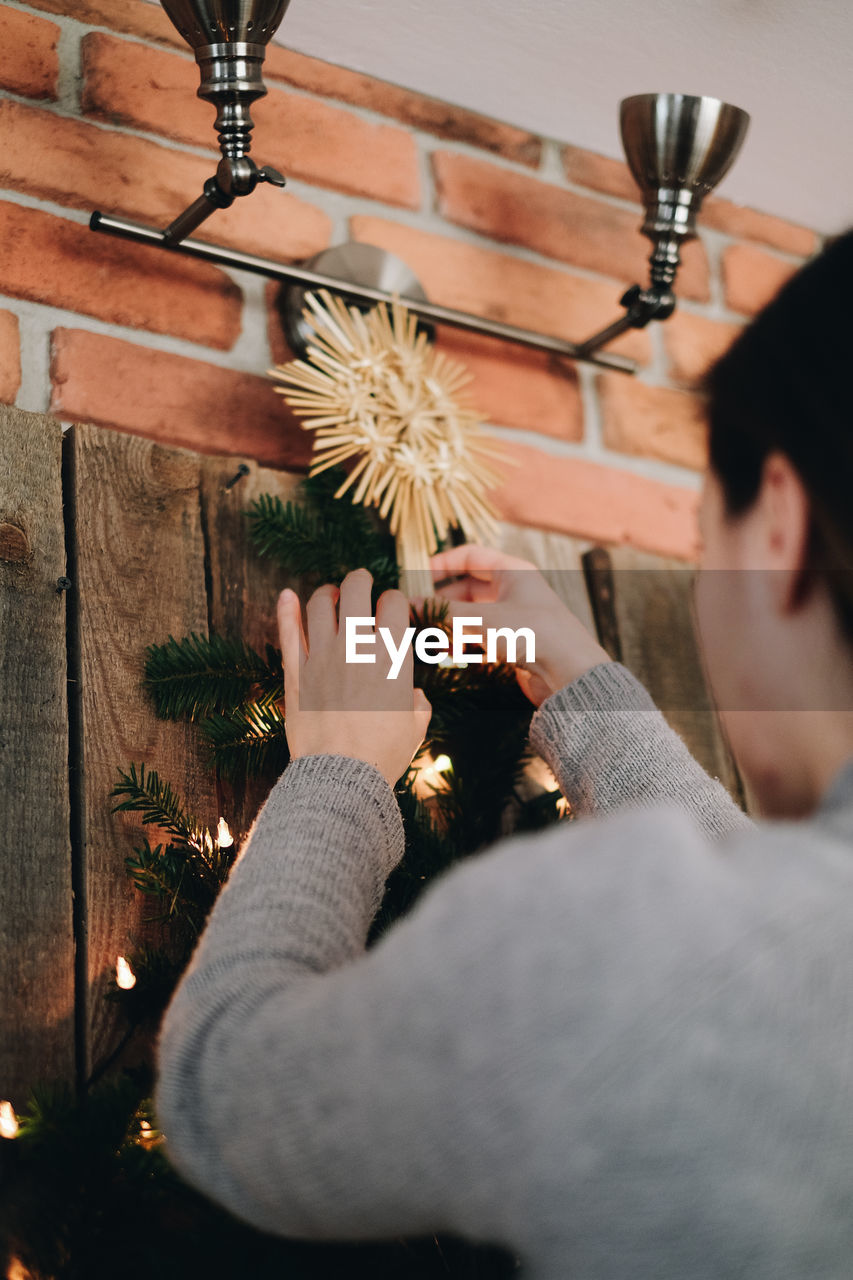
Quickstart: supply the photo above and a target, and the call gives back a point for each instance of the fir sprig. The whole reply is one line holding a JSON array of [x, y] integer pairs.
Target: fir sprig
[[322, 537], [155, 799], [247, 742], [201, 675]]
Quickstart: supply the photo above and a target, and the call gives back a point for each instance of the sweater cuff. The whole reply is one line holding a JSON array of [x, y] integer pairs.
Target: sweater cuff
[[609, 687], [344, 785]]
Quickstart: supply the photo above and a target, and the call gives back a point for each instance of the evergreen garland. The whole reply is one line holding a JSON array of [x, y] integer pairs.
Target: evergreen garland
[[93, 1195]]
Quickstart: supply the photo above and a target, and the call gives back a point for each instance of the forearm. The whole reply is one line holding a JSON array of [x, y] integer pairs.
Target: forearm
[[299, 902], [609, 746]]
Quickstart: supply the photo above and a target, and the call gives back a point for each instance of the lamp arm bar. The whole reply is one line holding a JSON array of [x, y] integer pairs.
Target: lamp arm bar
[[235, 176], [642, 306], [360, 293]]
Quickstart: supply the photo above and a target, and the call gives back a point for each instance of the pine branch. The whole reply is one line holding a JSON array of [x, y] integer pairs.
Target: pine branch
[[201, 675], [158, 803], [322, 537], [184, 878], [247, 742]]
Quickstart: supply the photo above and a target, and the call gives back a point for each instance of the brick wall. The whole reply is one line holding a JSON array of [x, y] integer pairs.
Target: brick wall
[[98, 110]]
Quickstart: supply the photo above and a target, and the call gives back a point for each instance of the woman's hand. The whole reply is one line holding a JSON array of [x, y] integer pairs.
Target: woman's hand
[[509, 592], [339, 707]]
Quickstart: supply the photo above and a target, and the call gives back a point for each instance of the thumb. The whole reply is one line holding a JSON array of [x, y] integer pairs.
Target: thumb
[[422, 709]]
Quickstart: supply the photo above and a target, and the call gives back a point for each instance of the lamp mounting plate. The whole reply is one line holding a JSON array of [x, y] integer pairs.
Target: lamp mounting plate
[[352, 263]]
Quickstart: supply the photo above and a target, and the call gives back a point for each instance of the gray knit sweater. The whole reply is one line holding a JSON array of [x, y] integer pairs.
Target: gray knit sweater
[[622, 1047]]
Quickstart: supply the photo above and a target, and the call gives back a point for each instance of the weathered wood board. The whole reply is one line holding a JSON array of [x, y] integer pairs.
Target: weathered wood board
[[652, 605], [243, 586], [140, 570], [36, 929]]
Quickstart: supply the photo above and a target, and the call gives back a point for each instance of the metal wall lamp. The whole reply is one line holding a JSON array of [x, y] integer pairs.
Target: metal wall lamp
[[678, 148]]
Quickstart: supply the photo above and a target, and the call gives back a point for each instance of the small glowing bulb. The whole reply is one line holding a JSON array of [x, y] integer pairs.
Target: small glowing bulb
[[147, 1135], [447, 661], [224, 837], [443, 763], [8, 1120], [125, 977]]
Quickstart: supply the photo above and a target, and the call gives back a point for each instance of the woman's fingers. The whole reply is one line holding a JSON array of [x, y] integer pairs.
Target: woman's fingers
[[423, 712], [293, 647], [322, 615], [392, 620], [469, 588], [392, 611], [474, 559], [355, 595]]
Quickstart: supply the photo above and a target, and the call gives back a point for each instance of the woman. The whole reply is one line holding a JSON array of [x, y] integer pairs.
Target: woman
[[622, 1046]]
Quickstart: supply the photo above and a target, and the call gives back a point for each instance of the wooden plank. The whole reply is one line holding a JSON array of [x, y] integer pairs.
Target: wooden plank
[[36, 936], [653, 610], [243, 586], [598, 568], [140, 557]]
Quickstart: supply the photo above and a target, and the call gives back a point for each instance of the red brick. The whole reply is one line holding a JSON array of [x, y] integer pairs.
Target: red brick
[[585, 232], [279, 349], [655, 422], [86, 167], [601, 503], [511, 385], [306, 139], [134, 17], [749, 224], [693, 343], [752, 277], [414, 109], [600, 173], [29, 62], [47, 259], [173, 399], [492, 284], [516, 386], [10, 357]]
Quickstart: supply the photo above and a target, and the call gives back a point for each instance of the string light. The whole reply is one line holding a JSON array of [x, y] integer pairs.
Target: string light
[[8, 1120], [448, 661], [429, 775], [148, 1136], [125, 977], [224, 837]]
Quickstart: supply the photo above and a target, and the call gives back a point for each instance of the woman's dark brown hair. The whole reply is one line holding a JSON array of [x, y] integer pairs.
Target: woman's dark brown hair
[[786, 384]]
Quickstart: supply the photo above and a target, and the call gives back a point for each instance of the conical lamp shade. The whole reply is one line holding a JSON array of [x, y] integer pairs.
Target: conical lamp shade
[[203, 22], [678, 147]]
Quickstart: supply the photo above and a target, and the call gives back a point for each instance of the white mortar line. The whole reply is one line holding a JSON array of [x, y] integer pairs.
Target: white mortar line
[[649, 468]]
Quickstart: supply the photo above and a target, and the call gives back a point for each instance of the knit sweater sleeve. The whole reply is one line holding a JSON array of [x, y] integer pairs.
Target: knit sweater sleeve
[[314, 1088], [609, 746]]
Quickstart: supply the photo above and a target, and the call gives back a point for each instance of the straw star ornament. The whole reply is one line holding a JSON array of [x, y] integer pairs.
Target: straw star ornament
[[373, 388]]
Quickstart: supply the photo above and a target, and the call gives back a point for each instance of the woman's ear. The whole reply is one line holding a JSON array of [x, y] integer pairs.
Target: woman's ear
[[785, 524]]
